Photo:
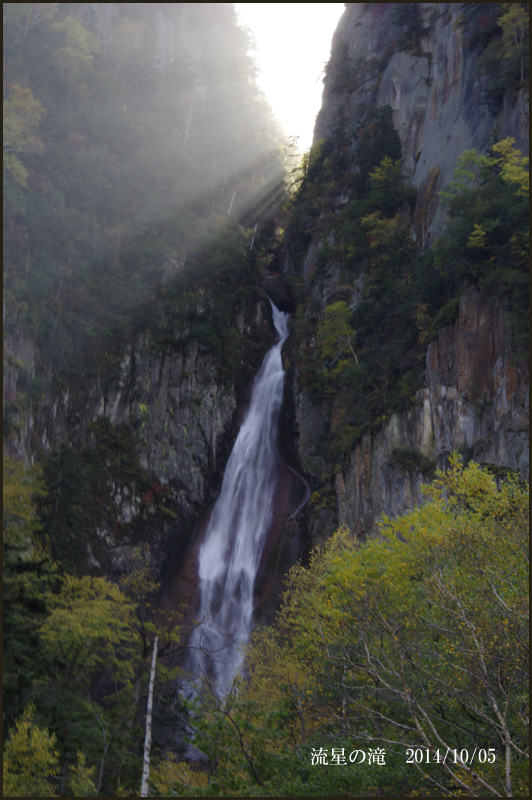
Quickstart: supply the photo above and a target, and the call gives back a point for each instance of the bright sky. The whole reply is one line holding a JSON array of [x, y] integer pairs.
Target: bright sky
[[294, 44]]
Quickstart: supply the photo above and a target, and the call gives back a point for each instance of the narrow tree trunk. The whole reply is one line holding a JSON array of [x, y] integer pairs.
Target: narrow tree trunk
[[231, 204], [147, 740]]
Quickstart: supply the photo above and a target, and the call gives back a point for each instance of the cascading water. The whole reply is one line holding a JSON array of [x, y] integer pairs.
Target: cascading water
[[234, 540]]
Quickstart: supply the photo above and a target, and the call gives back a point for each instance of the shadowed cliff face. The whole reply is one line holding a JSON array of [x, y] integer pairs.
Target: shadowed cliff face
[[475, 400], [176, 413]]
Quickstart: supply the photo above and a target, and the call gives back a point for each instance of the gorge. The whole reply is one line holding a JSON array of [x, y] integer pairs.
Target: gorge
[[154, 259]]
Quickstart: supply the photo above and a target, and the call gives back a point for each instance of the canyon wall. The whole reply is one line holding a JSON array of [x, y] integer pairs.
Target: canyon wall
[[475, 401], [181, 416], [475, 393], [134, 321]]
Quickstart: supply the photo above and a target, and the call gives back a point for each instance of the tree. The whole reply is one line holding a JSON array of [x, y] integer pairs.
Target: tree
[[502, 35], [514, 24], [147, 739], [93, 682], [475, 171], [22, 116], [30, 759], [78, 45], [81, 778], [437, 619], [335, 333], [36, 13], [28, 574], [512, 165], [31, 763], [486, 241], [91, 626], [388, 191], [95, 638], [172, 778], [21, 488]]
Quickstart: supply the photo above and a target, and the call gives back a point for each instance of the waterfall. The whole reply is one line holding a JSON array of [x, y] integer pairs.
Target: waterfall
[[234, 539]]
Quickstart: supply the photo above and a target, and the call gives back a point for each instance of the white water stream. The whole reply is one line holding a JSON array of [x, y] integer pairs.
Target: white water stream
[[234, 540]]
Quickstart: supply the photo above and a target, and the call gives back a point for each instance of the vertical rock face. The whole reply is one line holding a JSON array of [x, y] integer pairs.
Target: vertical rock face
[[173, 401], [478, 392], [475, 396], [433, 86], [179, 415], [475, 400]]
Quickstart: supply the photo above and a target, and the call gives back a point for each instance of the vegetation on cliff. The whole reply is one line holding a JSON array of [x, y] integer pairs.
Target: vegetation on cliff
[[138, 155], [127, 164], [499, 32], [369, 249], [362, 355]]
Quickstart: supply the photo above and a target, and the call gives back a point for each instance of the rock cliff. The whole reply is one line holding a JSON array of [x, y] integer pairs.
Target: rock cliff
[[422, 62], [135, 321], [426, 70], [176, 414], [475, 401]]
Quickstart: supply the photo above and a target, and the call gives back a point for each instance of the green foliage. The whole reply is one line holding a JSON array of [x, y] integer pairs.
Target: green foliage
[[75, 647], [80, 489], [487, 240], [31, 763], [97, 639], [445, 316], [400, 298], [367, 239], [514, 49], [22, 116], [345, 160], [408, 17], [512, 165], [172, 778], [90, 626], [376, 140], [30, 760], [500, 32], [411, 459], [78, 45], [21, 487], [335, 335], [388, 190], [415, 639], [28, 573], [117, 168], [81, 778], [343, 73]]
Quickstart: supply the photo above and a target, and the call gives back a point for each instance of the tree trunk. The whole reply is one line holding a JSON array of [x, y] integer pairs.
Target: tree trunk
[[147, 740]]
